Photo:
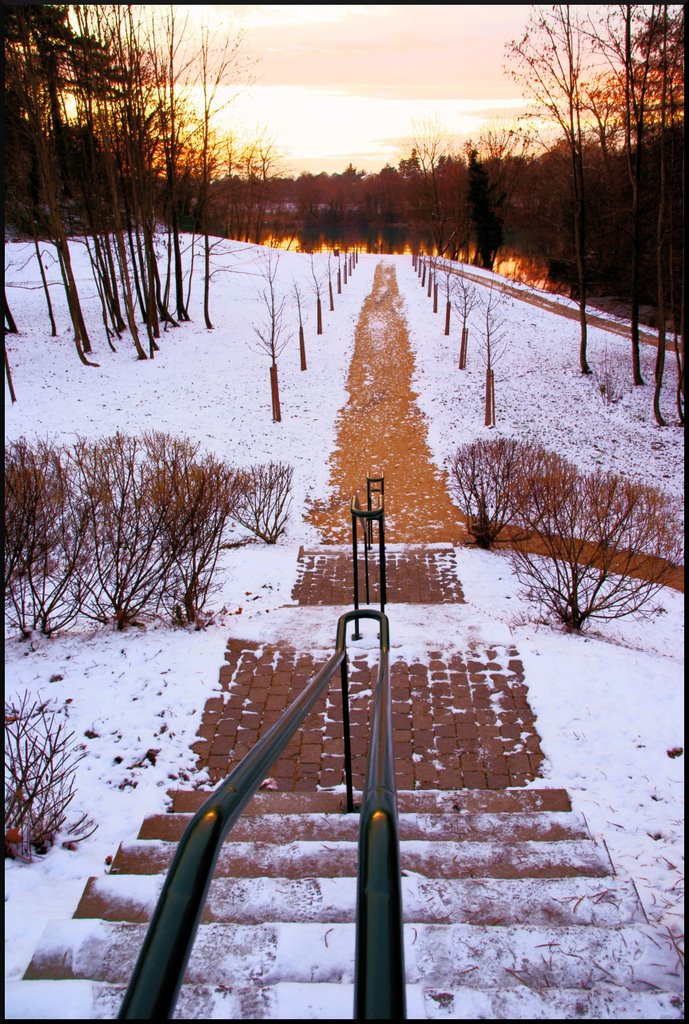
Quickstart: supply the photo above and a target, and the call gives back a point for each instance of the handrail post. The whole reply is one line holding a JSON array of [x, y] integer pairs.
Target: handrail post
[[381, 561], [356, 635], [374, 485], [344, 678]]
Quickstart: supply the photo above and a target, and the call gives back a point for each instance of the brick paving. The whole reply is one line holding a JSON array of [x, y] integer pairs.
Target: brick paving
[[414, 575], [461, 718]]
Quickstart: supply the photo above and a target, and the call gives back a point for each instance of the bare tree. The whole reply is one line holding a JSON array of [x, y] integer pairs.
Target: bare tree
[[493, 336], [628, 39], [302, 346], [41, 106], [430, 148], [271, 333], [551, 64], [465, 298], [214, 72], [318, 284]]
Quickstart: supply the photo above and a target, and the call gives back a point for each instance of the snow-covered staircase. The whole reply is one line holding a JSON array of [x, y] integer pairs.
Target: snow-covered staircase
[[511, 912]]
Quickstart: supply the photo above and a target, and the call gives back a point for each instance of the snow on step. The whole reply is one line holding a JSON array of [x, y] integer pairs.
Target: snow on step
[[551, 901], [447, 956], [434, 859], [409, 801], [46, 1000], [284, 828]]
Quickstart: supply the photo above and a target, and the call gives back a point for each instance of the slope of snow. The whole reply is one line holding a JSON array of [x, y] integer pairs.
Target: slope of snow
[[609, 704]]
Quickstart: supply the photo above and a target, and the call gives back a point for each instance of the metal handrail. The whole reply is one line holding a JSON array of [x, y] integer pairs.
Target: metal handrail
[[159, 971], [379, 982], [375, 486]]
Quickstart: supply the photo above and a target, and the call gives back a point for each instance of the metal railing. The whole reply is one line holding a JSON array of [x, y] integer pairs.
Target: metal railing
[[379, 962], [373, 513]]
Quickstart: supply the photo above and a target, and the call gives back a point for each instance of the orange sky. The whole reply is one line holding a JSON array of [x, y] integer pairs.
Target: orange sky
[[336, 83]]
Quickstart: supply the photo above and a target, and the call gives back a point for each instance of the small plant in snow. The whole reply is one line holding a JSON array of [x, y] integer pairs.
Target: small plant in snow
[[40, 765]]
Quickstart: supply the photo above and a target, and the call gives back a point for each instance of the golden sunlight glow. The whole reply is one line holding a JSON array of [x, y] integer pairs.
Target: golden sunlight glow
[[331, 85]]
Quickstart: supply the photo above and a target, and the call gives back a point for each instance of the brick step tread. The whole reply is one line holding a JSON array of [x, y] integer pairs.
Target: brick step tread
[[462, 827], [409, 801], [46, 1000], [432, 859], [444, 955], [543, 901]]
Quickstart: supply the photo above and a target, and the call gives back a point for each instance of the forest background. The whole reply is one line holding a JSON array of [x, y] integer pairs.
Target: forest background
[[111, 133]]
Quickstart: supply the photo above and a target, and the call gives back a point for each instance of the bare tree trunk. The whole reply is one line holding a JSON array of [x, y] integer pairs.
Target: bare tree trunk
[[275, 393], [207, 280], [463, 349], [302, 348], [448, 308], [10, 325], [44, 281], [8, 375], [319, 315], [660, 246]]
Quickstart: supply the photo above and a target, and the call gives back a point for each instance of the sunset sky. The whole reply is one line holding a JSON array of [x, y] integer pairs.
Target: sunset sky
[[335, 83]]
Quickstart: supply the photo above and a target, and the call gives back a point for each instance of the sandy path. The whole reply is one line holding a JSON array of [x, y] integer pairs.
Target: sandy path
[[381, 430]]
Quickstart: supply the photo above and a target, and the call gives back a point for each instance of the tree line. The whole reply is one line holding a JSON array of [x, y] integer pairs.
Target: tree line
[[111, 133]]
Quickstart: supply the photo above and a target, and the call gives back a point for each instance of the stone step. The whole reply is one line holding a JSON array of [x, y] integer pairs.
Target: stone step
[[54, 1000], [502, 801], [432, 859], [459, 827], [447, 956], [544, 901]]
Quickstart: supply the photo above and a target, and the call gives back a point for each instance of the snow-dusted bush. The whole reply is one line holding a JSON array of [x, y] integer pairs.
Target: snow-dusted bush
[[40, 765], [198, 496], [601, 547], [119, 527], [46, 541], [486, 482], [265, 500], [130, 559]]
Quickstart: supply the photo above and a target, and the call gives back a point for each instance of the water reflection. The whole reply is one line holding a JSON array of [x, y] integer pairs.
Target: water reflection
[[400, 241]]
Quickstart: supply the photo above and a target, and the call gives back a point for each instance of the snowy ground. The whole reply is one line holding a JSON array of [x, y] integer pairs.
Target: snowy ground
[[609, 704]]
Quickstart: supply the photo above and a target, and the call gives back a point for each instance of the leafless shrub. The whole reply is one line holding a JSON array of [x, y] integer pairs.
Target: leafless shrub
[[46, 541], [197, 496], [612, 375], [486, 481], [264, 501], [40, 766], [605, 545], [131, 558]]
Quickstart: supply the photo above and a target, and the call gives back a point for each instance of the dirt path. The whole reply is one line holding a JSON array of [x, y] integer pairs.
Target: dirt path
[[570, 312], [381, 430]]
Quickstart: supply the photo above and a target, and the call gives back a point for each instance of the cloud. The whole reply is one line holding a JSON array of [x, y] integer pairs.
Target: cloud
[[390, 50]]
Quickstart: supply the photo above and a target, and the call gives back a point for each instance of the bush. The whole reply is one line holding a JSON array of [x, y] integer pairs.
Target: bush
[[197, 497], [119, 527], [264, 500], [604, 545], [486, 480], [40, 766], [130, 558], [46, 540]]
